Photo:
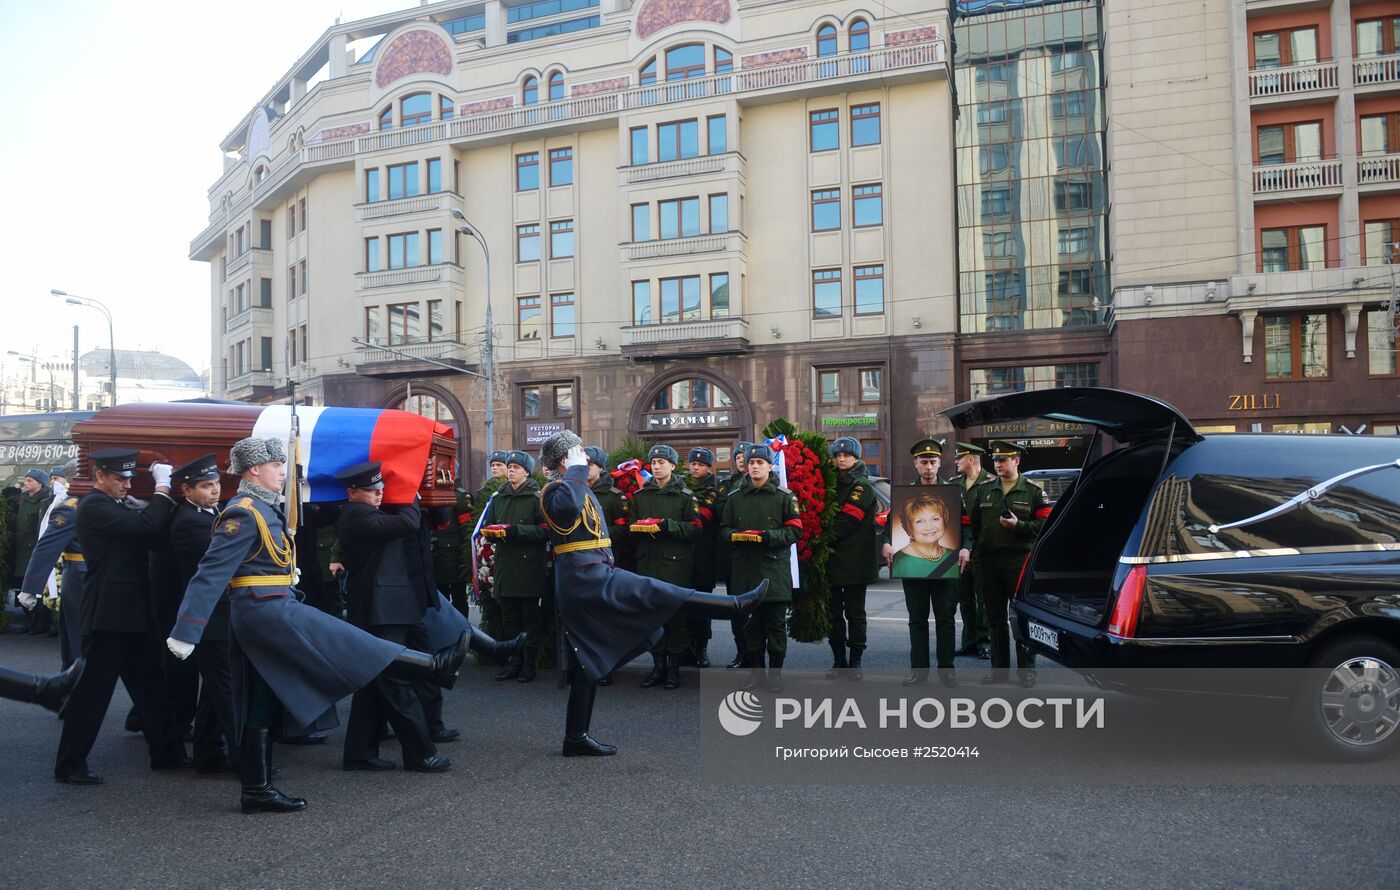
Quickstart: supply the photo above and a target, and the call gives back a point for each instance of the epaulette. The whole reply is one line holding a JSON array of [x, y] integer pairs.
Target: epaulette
[[784, 490], [244, 502], [71, 502]]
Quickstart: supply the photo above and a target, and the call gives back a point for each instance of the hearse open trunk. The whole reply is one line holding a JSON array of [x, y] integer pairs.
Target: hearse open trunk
[[1073, 567]]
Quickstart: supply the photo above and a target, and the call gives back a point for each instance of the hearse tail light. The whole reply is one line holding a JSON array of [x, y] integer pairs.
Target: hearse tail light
[[1123, 621]]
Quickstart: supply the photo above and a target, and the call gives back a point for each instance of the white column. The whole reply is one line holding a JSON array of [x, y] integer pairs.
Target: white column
[[495, 23], [339, 65], [1348, 212], [1244, 140]]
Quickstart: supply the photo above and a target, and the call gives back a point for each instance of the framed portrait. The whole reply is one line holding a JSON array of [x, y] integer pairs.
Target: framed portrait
[[925, 531]]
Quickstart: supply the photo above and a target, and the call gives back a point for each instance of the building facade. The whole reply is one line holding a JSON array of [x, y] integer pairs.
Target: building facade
[[701, 215]]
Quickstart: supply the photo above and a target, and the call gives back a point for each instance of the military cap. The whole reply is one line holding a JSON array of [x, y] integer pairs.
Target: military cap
[[253, 451], [201, 469], [69, 468], [556, 448], [497, 457], [665, 452], [741, 448], [521, 458], [962, 449], [121, 461], [928, 447], [762, 452], [367, 475], [597, 455], [1001, 449], [844, 445], [702, 455], [38, 476]]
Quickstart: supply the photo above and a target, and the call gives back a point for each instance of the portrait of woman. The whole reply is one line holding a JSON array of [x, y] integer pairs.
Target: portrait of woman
[[927, 523]]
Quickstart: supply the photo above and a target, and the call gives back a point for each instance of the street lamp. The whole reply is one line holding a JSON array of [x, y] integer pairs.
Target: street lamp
[[75, 300], [34, 363], [469, 230]]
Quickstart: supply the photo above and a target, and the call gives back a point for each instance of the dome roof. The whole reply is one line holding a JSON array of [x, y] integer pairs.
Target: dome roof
[[134, 364]]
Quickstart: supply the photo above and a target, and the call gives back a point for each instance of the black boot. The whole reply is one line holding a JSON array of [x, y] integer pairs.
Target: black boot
[[499, 651], [775, 673], [917, 677], [577, 741], [255, 774], [658, 672], [856, 653], [838, 659], [512, 667], [527, 669], [754, 662], [673, 672], [133, 721], [440, 668], [702, 656], [721, 605], [50, 692], [740, 655]]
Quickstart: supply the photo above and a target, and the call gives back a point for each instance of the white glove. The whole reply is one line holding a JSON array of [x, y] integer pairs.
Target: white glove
[[28, 600], [179, 648], [160, 473], [576, 457], [296, 576]]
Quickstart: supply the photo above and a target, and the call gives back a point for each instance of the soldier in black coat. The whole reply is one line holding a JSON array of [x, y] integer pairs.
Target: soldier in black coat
[[384, 601], [117, 618], [215, 742]]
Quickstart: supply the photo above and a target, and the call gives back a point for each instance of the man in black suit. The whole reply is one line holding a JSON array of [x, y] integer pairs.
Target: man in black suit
[[117, 616]]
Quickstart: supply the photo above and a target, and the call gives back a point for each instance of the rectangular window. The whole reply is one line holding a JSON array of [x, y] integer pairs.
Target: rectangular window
[[1074, 240], [291, 282], [527, 243], [1290, 143], [435, 254], [265, 353], [265, 234], [1280, 49], [1295, 346], [829, 387], [719, 213], [434, 175], [527, 171], [1380, 135], [867, 205], [530, 401], [865, 124], [1297, 248], [1375, 37], [292, 344], [640, 153], [561, 239], [241, 299], [372, 261], [403, 251], [997, 201], [641, 222], [641, 302], [719, 295], [717, 134], [870, 290], [1382, 341], [1379, 242], [291, 221], [372, 330], [869, 384], [403, 180], [301, 213], [826, 293], [826, 210], [824, 130], [527, 318], [304, 279], [435, 329], [680, 218], [372, 185], [1069, 196], [405, 323], [564, 400], [561, 166], [680, 299], [265, 293], [677, 139], [561, 315]]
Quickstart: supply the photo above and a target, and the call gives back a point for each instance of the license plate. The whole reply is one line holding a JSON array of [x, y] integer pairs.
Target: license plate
[[1043, 635]]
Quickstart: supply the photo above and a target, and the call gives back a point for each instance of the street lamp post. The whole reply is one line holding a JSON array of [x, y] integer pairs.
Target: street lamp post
[[35, 363], [490, 350], [75, 300]]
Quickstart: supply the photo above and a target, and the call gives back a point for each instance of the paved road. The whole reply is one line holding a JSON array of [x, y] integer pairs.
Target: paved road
[[514, 813]]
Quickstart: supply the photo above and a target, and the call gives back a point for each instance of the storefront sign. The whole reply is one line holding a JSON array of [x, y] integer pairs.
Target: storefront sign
[[1034, 428], [700, 419], [539, 433], [851, 422], [1268, 401]]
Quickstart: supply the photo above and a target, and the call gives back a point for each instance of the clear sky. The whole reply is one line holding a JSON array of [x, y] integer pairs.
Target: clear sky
[[113, 115]]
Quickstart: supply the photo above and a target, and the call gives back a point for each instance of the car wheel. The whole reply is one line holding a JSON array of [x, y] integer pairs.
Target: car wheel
[[1349, 703]]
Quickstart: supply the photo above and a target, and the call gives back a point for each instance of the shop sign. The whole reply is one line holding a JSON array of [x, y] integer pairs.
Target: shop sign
[[539, 433], [851, 422], [693, 420], [1268, 401], [1037, 427]]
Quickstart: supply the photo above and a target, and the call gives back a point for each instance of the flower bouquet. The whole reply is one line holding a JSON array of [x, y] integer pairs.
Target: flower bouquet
[[810, 476]]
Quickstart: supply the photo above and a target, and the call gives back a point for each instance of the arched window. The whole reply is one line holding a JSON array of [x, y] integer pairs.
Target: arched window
[[826, 40], [259, 174], [556, 86], [386, 118], [724, 60], [648, 74], [415, 109], [692, 394], [446, 110], [685, 61], [860, 36], [530, 95]]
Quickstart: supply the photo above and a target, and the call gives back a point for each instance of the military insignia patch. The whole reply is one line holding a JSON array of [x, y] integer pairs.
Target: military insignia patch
[[857, 493], [57, 521], [71, 502], [230, 527]]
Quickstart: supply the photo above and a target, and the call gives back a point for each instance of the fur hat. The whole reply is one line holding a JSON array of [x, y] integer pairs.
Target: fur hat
[[252, 451], [556, 448]]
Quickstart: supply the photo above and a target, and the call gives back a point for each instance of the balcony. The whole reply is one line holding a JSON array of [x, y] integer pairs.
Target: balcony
[[414, 276], [682, 247], [410, 359], [716, 336], [438, 202], [1295, 80], [250, 385], [239, 264], [253, 315], [708, 165], [1376, 71], [1283, 181], [1377, 170]]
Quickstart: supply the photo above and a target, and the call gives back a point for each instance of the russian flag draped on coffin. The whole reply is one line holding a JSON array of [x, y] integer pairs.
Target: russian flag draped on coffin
[[335, 438]]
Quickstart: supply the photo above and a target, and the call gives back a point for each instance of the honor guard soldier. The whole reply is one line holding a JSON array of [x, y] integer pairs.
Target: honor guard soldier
[[496, 462], [975, 639], [1009, 514], [59, 543], [215, 741], [617, 510], [286, 655], [522, 571], [709, 502], [117, 617], [724, 562], [854, 561], [761, 523], [383, 601], [666, 530], [46, 692]]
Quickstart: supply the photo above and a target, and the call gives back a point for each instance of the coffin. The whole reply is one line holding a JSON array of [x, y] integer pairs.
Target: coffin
[[418, 453]]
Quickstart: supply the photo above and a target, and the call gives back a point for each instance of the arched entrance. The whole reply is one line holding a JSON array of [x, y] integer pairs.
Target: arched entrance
[[436, 402], [690, 407]]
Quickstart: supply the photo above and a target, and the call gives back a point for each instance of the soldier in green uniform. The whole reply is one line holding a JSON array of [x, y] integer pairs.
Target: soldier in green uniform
[[975, 639], [666, 527], [761, 521], [494, 480], [709, 504], [853, 563], [1009, 513], [617, 510], [449, 534], [723, 559], [522, 576]]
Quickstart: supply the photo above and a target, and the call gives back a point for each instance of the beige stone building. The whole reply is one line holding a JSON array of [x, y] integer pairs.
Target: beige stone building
[[701, 215]]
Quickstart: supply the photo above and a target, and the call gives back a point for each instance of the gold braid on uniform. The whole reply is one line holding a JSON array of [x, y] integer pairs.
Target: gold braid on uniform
[[588, 517], [285, 556]]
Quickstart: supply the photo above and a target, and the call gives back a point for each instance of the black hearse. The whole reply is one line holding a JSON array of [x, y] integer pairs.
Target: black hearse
[[1173, 550]]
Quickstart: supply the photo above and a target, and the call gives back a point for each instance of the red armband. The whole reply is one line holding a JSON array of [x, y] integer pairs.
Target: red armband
[[795, 523], [706, 514], [1042, 513], [698, 524], [854, 512], [966, 520]]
